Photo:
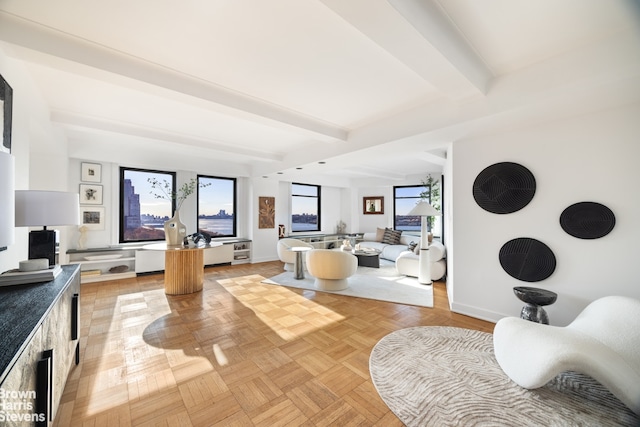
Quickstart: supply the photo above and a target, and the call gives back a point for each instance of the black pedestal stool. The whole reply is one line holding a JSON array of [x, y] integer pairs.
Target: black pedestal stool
[[535, 299]]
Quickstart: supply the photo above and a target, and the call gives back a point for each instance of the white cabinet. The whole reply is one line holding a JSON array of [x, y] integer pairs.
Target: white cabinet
[[241, 252], [219, 254], [100, 264]]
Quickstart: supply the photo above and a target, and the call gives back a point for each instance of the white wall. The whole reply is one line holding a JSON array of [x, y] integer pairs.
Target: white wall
[[32, 130], [265, 239], [588, 158], [369, 223], [110, 183]]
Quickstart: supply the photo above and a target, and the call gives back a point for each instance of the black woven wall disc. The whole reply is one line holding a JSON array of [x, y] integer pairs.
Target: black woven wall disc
[[587, 220], [527, 259], [504, 188]]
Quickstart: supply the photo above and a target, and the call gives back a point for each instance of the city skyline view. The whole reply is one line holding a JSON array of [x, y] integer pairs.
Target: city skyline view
[[212, 199], [145, 208]]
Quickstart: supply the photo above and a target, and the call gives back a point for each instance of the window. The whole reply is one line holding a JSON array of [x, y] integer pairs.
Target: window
[[142, 215], [305, 207], [217, 206], [404, 199]]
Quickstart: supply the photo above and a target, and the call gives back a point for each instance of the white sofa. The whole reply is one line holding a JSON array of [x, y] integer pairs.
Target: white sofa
[[407, 260], [387, 251]]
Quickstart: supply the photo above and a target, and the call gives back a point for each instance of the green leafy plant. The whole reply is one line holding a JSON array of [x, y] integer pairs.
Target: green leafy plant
[[165, 190], [431, 194]]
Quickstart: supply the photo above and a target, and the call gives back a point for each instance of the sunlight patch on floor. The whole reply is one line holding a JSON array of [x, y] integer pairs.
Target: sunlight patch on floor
[[283, 310]]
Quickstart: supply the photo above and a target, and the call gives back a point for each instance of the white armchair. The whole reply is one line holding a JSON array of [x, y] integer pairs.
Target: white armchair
[[289, 257], [331, 268]]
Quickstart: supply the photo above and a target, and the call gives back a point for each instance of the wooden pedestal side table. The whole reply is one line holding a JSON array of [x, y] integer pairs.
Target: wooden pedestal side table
[[183, 267]]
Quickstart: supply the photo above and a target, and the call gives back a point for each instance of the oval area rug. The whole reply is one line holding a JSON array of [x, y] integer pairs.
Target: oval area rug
[[446, 376]]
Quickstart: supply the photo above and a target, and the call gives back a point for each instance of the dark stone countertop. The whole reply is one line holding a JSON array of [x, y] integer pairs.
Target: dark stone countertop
[[22, 309]]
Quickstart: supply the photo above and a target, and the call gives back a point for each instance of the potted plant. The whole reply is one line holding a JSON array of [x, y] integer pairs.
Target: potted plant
[[431, 194]]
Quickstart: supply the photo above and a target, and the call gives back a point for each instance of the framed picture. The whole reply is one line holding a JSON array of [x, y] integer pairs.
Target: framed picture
[[92, 217], [267, 212], [90, 194], [91, 172], [373, 205], [6, 108]]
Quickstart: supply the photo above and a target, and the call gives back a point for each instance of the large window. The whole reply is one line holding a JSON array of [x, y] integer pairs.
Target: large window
[[404, 199], [217, 206], [142, 215], [305, 207]]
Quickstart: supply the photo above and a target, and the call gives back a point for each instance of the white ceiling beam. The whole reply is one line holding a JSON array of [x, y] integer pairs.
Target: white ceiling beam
[[436, 27], [388, 28], [30, 35], [374, 172], [432, 158], [93, 123]]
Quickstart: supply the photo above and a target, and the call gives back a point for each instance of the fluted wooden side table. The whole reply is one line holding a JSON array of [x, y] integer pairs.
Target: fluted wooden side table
[[183, 267]]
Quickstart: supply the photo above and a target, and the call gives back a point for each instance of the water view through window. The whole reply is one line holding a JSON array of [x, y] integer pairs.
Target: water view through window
[[405, 199], [216, 206], [305, 207]]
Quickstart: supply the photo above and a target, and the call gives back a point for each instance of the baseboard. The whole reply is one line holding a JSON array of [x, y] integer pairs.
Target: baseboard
[[468, 310], [264, 259]]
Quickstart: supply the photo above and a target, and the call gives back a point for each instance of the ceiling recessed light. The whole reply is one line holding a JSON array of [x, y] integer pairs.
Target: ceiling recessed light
[[322, 163], [279, 173], [298, 168]]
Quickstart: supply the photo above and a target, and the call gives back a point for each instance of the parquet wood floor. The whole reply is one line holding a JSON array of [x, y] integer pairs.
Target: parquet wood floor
[[239, 353]]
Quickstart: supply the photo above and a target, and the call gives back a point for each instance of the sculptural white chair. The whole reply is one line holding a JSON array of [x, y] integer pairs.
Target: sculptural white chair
[[287, 256], [602, 342], [331, 268]]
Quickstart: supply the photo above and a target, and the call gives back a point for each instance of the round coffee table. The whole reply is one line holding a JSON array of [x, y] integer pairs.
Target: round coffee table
[[535, 298], [368, 258]]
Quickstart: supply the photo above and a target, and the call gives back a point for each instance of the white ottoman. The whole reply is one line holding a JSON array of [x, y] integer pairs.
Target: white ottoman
[[331, 268]]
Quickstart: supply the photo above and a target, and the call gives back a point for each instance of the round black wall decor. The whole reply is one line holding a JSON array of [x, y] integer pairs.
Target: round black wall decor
[[527, 259], [504, 188], [587, 220]]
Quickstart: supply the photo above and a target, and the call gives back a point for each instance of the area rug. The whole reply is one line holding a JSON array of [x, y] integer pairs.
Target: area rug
[[382, 284], [445, 376]]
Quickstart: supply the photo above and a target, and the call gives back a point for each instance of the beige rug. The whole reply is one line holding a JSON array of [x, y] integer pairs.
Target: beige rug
[[382, 284], [444, 376]]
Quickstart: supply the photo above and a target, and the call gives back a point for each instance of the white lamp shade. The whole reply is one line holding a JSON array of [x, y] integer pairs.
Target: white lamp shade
[[46, 208], [6, 199], [423, 209]]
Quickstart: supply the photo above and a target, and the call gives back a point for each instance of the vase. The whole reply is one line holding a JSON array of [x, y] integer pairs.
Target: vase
[[174, 230]]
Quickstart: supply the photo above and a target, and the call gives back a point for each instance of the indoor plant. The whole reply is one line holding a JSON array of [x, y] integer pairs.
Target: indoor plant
[[432, 195], [174, 230]]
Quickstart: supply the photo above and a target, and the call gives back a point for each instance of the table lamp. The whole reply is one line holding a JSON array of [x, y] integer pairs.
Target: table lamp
[[7, 210], [424, 209], [45, 208]]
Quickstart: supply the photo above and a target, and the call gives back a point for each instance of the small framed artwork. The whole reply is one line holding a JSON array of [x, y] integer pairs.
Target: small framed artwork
[[6, 108], [91, 172], [90, 194], [373, 205], [92, 217], [267, 212]]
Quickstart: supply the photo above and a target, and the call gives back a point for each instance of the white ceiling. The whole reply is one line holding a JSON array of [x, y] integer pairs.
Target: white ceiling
[[374, 88]]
